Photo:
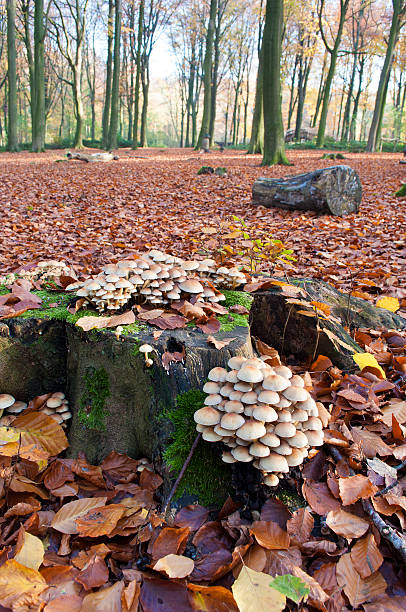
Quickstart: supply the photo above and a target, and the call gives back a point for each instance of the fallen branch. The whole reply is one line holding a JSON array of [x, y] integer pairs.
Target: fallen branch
[[181, 473], [386, 531]]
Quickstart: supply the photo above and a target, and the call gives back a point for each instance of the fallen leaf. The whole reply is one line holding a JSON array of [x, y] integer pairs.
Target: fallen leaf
[[389, 303], [175, 566], [357, 589], [269, 535], [219, 344], [354, 488], [365, 556], [65, 519], [346, 524], [252, 591], [29, 550], [17, 580]]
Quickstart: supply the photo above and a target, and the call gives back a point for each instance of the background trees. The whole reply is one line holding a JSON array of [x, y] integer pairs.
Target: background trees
[[89, 70]]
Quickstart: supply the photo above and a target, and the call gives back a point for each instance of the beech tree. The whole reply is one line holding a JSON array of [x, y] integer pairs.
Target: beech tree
[[274, 140], [12, 144], [207, 69]]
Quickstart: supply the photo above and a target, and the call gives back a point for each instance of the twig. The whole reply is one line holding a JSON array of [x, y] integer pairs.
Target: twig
[[181, 473], [284, 328], [387, 532]]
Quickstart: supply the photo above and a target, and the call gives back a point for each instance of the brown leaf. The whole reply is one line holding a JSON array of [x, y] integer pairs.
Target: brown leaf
[[104, 600], [211, 326], [211, 599], [99, 521], [300, 526], [170, 540], [130, 597], [219, 344], [319, 497], [356, 588], [345, 524], [192, 516], [92, 473], [354, 488], [371, 444], [119, 466], [65, 519], [94, 574], [17, 580], [269, 535], [365, 556]]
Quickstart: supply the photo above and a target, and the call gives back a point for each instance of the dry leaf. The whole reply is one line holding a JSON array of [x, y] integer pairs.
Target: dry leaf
[[269, 535], [354, 488], [175, 566], [365, 556], [219, 344], [252, 592], [346, 524], [17, 580], [65, 519], [29, 550], [356, 588]]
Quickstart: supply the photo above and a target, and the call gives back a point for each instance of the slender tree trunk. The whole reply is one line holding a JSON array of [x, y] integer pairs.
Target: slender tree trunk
[[374, 131], [331, 71], [301, 96], [12, 144], [115, 89], [320, 92], [78, 107], [274, 141], [257, 130], [207, 69], [235, 109], [109, 71], [353, 126], [62, 121], [138, 74], [145, 94], [216, 63], [39, 115], [292, 99]]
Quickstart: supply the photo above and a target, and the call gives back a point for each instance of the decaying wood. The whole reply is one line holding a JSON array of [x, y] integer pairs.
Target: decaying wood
[[336, 190], [92, 157]]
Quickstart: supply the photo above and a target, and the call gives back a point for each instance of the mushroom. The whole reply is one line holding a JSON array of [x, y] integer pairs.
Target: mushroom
[[211, 387], [270, 439], [6, 400], [210, 435], [207, 416], [268, 397], [299, 440], [271, 480], [217, 375], [274, 463], [228, 458], [274, 382], [257, 449], [285, 430], [251, 430], [234, 406], [314, 437], [241, 453], [231, 421], [250, 374], [265, 413], [295, 394], [213, 400], [145, 349]]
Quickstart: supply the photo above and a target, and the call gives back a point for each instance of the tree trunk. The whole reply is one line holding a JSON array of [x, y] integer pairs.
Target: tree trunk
[[301, 96], [12, 144], [115, 90], [274, 141], [78, 106], [109, 70], [399, 7], [353, 125], [39, 115], [331, 71], [336, 190], [257, 130], [320, 92], [215, 78], [138, 74], [292, 99], [145, 93], [207, 69]]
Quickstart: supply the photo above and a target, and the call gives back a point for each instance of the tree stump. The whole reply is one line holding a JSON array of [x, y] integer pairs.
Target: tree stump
[[92, 157], [336, 190], [281, 323]]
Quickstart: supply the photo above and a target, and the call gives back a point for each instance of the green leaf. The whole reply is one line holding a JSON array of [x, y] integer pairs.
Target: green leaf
[[291, 586]]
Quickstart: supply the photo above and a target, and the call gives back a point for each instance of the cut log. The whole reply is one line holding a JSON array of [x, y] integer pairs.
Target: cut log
[[336, 190], [92, 157], [280, 322]]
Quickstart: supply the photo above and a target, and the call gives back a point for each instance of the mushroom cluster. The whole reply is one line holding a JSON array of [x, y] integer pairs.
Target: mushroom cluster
[[158, 279], [263, 414], [44, 271], [56, 406]]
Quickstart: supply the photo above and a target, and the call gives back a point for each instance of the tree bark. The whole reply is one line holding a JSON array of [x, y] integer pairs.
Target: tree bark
[[113, 129], [145, 94], [138, 74], [257, 130], [38, 93], [12, 144], [274, 141], [336, 190], [207, 69], [109, 71]]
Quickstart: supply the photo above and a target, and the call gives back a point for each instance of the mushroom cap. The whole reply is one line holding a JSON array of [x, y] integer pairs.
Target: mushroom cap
[[299, 415], [145, 348], [220, 431], [228, 458], [283, 371], [257, 449], [242, 442], [283, 402], [271, 480], [232, 376], [295, 458], [217, 374], [211, 436], [235, 363], [284, 416], [295, 394], [242, 386], [234, 406], [190, 265], [265, 413], [314, 437], [200, 428], [274, 463], [211, 387], [249, 398], [283, 448], [54, 402], [299, 440], [191, 285], [314, 424], [6, 400], [66, 416], [297, 381], [241, 453], [271, 440], [274, 382], [236, 395], [309, 404], [226, 389], [207, 416], [250, 374], [249, 409], [254, 361], [213, 399], [251, 430], [268, 397], [285, 430], [232, 421]]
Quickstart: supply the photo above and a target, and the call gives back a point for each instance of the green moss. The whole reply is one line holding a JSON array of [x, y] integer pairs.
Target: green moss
[[232, 320], [134, 328], [91, 411], [206, 476], [289, 497]]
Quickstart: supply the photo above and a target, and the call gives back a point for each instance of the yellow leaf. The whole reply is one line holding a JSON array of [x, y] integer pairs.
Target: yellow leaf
[[366, 360], [17, 580], [37, 428], [8, 434], [389, 303], [252, 592], [175, 566], [31, 552]]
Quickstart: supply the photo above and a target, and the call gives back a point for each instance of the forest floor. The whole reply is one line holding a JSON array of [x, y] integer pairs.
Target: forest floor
[[88, 214]]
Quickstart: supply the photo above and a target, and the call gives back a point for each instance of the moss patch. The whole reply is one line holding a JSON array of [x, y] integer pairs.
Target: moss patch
[[207, 476], [91, 411], [232, 320]]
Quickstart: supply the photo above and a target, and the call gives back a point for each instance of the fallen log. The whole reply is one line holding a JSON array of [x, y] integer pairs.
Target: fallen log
[[335, 190], [92, 157]]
